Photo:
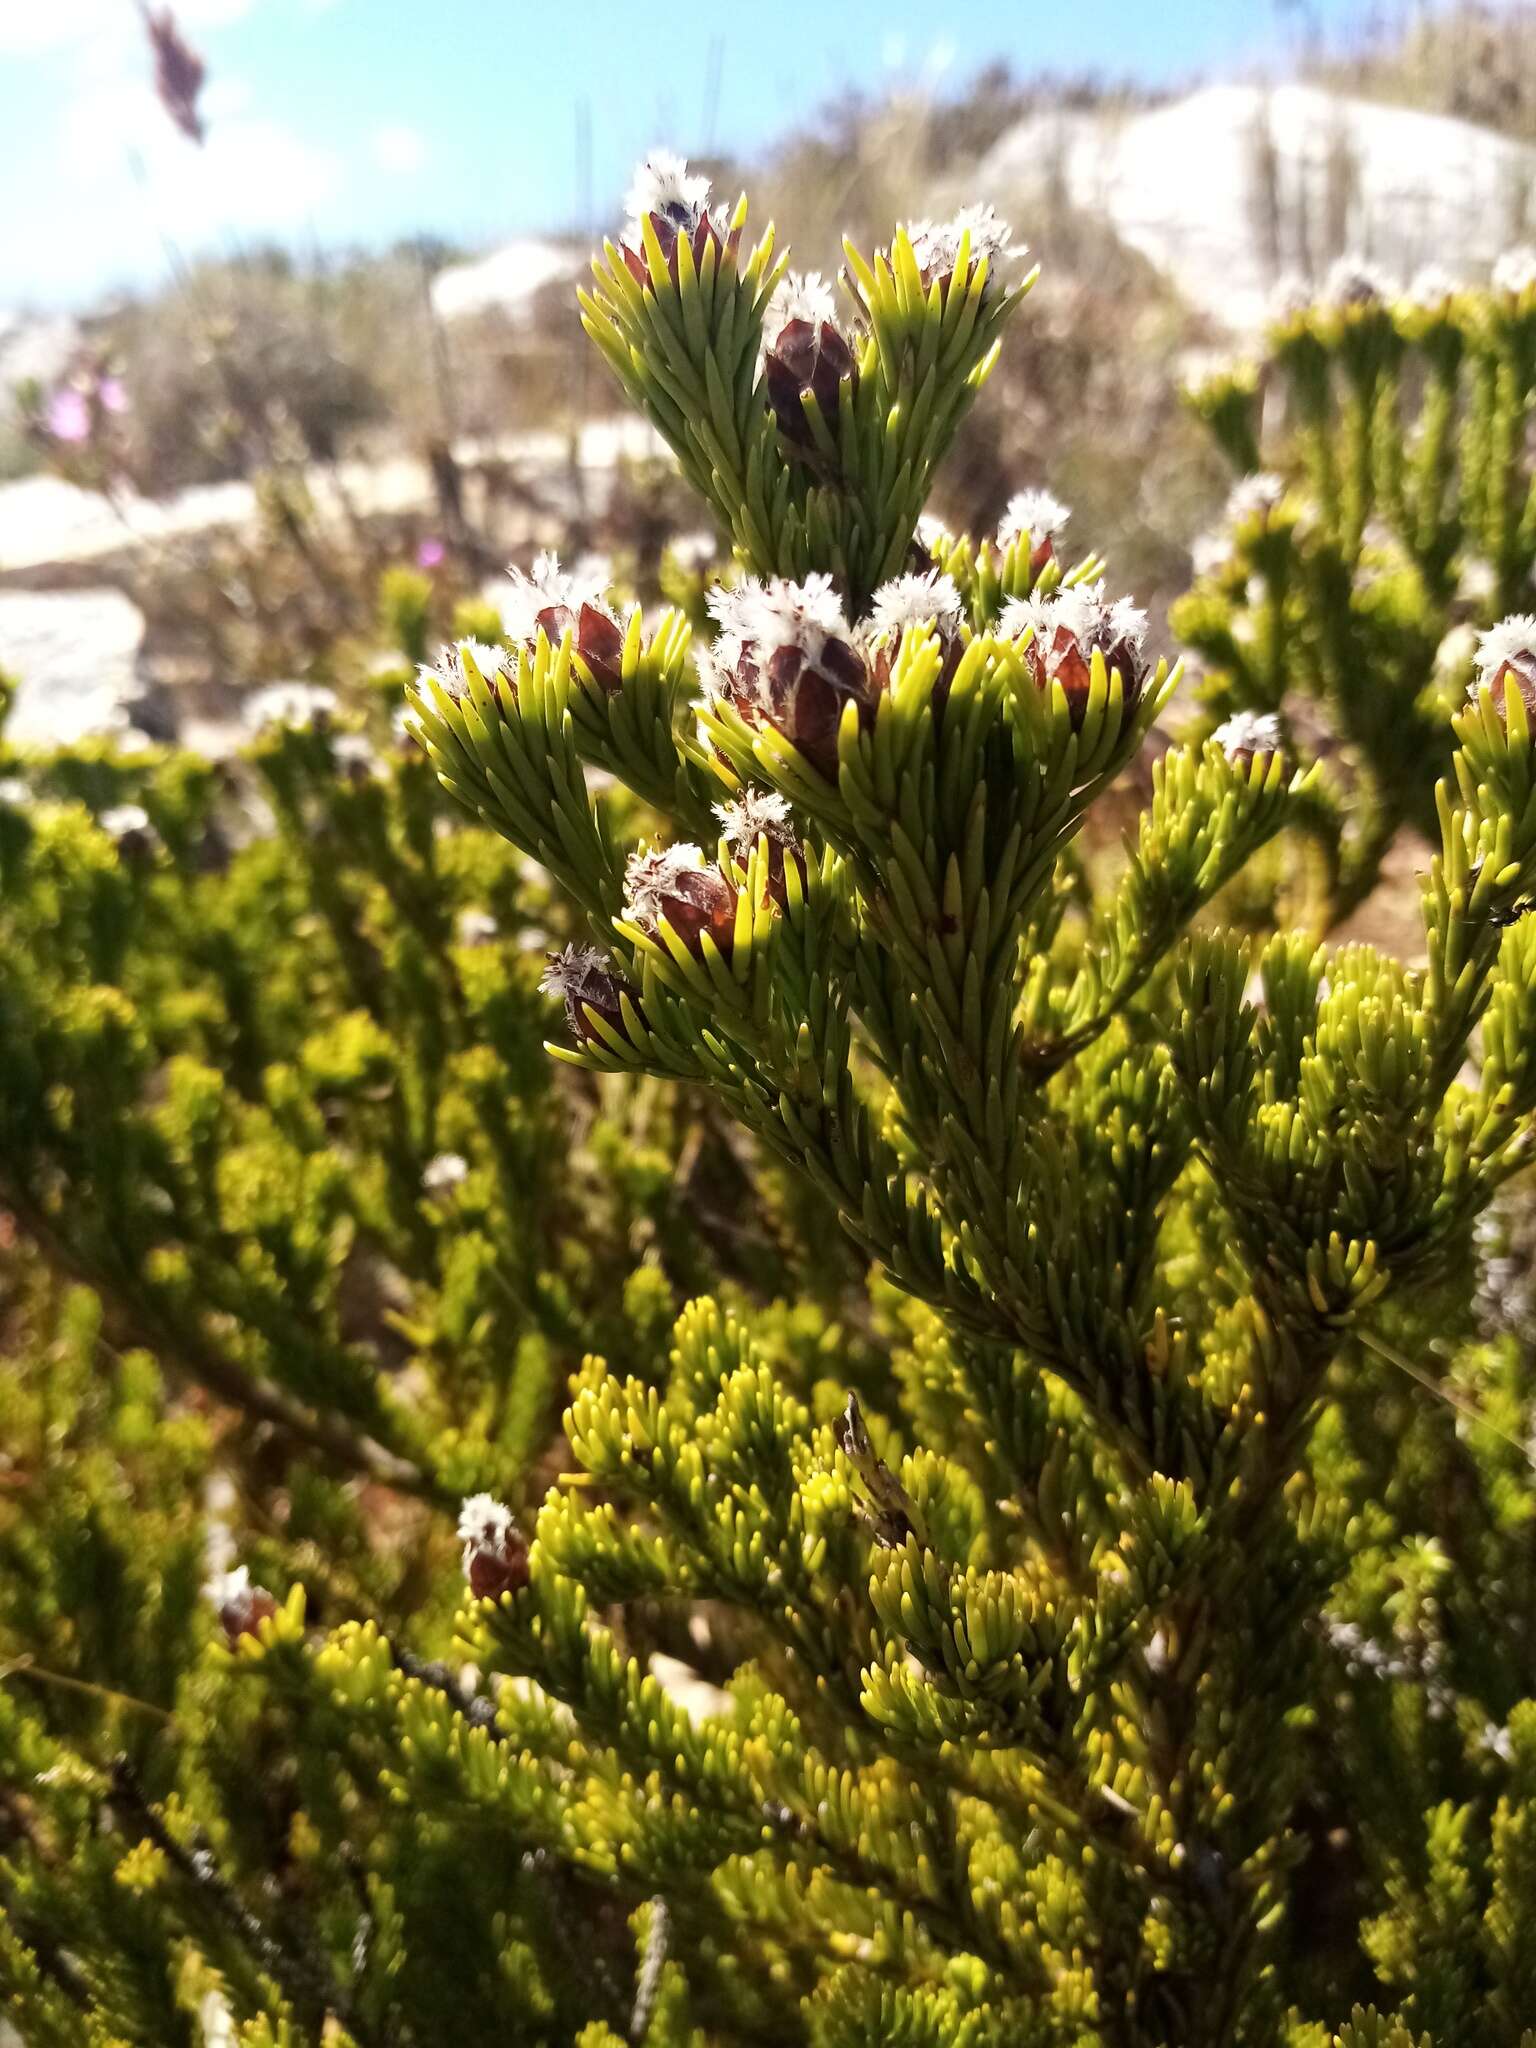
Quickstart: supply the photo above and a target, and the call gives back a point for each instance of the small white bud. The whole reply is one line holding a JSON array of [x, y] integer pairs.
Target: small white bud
[[444, 1173], [295, 704]]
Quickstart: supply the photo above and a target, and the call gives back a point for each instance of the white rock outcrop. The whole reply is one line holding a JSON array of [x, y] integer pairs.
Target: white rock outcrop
[[74, 654], [509, 281], [1235, 186]]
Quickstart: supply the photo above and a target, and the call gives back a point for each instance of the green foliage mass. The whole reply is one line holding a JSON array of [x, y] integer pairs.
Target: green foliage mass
[[1384, 513], [1078, 1596]]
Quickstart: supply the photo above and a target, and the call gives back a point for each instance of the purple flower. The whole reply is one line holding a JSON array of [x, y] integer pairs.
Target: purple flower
[[431, 554], [112, 394], [69, 415]]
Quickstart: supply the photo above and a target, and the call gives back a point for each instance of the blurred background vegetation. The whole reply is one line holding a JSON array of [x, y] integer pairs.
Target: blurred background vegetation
[[430, 398], [291, 422]]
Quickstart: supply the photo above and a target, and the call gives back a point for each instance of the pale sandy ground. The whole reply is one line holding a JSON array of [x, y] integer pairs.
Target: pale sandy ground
[[73, 654]]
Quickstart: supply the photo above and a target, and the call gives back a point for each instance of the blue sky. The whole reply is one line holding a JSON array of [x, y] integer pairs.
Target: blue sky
[[337, 121]]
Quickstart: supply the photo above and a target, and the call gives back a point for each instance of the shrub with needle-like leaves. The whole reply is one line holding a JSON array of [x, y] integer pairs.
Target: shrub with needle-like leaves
[[1000, 1663]]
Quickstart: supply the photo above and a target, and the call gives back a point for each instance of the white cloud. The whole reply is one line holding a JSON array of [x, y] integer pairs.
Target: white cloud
[[399, 148], [28, 30], [121, 184], [251, 173], [124, 184]]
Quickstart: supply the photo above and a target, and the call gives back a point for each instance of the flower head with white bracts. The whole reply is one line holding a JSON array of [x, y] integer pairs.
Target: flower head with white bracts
[[485, 1522], [916, 600], [1079, 610], [444, 1173], [663, 185], [805, 357], [584, 979], [549, 588], [1507, 652], [755, 814], [495, 1550], [762, 815], [1033, 514], [801, 295], [1290, 296], [768, 617], [677, 883], [1429, 287], [241, 1606], [1352, 281], [787, 657], [1515, 271], [652, 876], [1067, 629], [936, 244], [566, 972], [454, 663], [1248, 734], [1254, 496], [296, 704]]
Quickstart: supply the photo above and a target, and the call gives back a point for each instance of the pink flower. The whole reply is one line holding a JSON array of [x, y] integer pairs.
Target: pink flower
[[112, 394], [431, 554], [69, 415]]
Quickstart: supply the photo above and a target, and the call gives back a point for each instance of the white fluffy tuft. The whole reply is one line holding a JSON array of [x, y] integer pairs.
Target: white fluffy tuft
[[231, 1588], [1430, 286], [651, 877], [1515, 271], [296, 704], [1289, 296], [118, 821], [1210, 552], [443, 1173], [1080, 610], [802, 295], [1127, 621], [485, 1523], [1248, 732], [767, 616], [664, 185], [449, 669], [1038, 514], [1254, 495], [546, 585], [1511, 640], [1352, 281], [755, 812], [936, 244], [570, 971], [915, 601]]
